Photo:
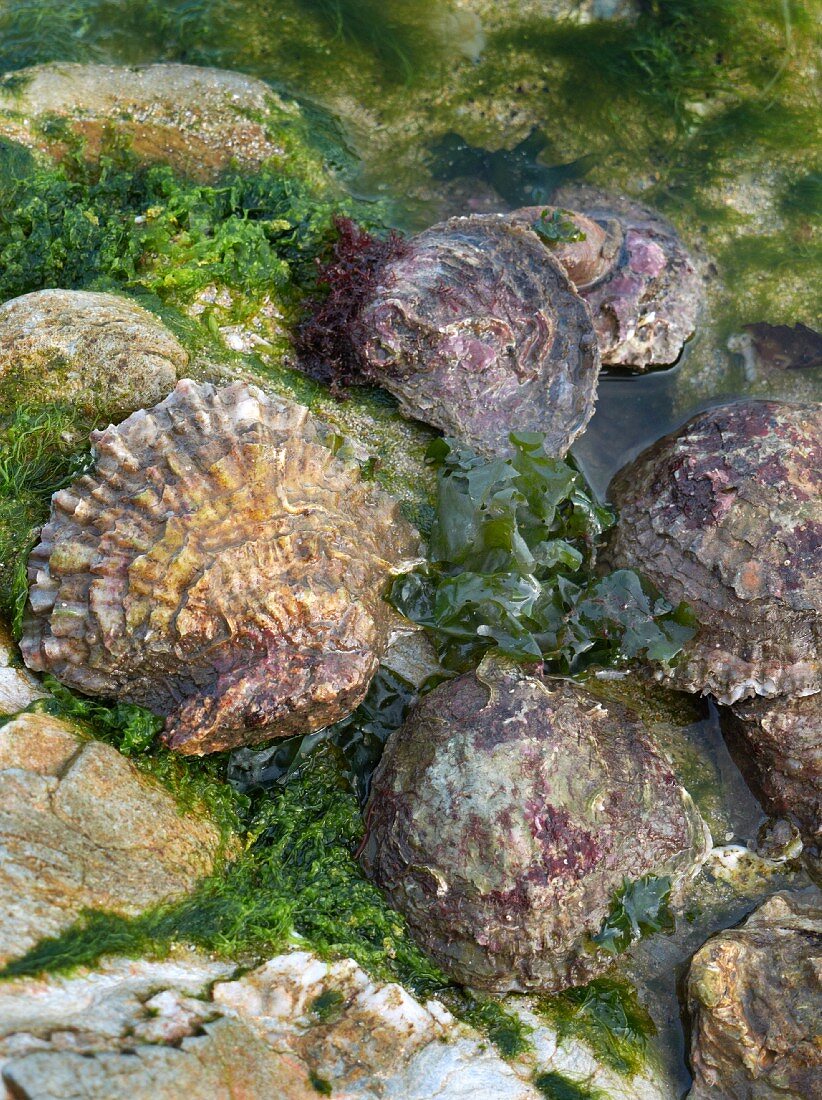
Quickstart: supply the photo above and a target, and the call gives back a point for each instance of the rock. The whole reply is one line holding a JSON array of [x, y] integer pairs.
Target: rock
[[506, 812], [726, 514], [101, 353], [293, 1029], [199, 120], [754, 995], [80, 827], [18, 687], [781, 748]]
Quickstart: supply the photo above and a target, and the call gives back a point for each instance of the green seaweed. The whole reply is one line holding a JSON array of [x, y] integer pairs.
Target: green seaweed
[[638, 908], [607, 1016], [509, 1034], [556, 1086], [41, 451], [512, 556]]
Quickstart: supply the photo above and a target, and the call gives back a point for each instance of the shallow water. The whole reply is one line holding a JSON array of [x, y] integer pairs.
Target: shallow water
[[705, 115]]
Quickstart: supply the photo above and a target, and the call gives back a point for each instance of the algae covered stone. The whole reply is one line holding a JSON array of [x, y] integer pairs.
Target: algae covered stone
[[726, 514], [507, 812], [199, 120], [81, 828], [220, 566], [101, 353]]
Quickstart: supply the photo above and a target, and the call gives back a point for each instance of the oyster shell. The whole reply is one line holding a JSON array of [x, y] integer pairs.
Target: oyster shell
[[726, 513], [505, 813], [220, 566], [633, 271], [477, 330], [781, 743]]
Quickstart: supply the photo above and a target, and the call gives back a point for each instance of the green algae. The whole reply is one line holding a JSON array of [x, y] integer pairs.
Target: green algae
[[607, 1016], [556, 1086]]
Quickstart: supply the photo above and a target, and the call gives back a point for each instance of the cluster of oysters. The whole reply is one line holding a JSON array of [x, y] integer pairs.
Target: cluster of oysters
[[222, 566]]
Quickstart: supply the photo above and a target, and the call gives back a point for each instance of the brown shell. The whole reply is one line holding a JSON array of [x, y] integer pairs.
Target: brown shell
[[780, 743], [726, 514], [642, 286], [505, 813], [220, 566], [477, 330]]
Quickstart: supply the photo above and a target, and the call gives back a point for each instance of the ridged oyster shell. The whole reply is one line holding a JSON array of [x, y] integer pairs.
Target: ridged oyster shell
[[477, 330], [726, 514], [220, 566]]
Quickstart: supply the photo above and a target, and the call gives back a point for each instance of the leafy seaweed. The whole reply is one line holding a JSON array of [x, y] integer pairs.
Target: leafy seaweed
[[556, 1086], [512, 551], [130, 728], [638, 908], [607, 1016], [557, 228]]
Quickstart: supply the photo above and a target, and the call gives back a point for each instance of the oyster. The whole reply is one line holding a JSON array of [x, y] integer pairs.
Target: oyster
[[506, 812], [477, 330], [220, 566], [781, 742], [633, 271], [726, 514]]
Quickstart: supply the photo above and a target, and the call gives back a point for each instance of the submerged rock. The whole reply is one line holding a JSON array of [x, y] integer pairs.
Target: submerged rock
[[781, 745], [634, 272], [219, 566], [726, 514], [294, 1028], [81, 828], [477, 330], [198, 120], [504, 815], [754, 998], [101, 353]]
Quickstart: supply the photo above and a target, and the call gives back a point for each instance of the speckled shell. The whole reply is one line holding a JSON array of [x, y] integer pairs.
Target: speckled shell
[[505, 813], [220, 566], [726, 513], [643, 288], [477, 330], [781, 745]]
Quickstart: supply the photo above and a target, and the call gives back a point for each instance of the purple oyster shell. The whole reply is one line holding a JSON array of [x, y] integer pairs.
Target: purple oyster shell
[[477, 330], [726, 514], [505, 813], [635, 273], [781, 743], [220, 566]]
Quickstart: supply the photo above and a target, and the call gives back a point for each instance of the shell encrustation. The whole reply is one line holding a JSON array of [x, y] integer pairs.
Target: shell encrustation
[[220, 566]]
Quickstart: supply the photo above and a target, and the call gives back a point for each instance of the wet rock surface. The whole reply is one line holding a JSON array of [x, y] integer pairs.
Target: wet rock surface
[[779, 741], [506, 812], [219, 566], [80, 827], [725, 514], [198, 120], [101, 353], [754, 995], [294, 1028], [477, 330]]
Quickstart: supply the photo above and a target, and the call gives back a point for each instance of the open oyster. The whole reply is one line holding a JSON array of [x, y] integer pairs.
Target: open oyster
[[506, 812], [476, 329], [220, 566], [633, 271], [726, 514]]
